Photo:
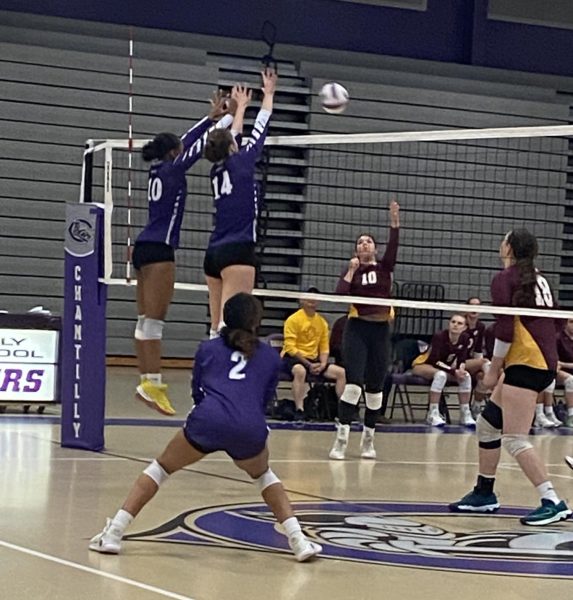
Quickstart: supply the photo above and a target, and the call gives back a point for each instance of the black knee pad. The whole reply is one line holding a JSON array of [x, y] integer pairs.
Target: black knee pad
[[493, 415]]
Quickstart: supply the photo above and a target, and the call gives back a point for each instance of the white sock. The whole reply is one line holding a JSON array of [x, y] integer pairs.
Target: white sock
[[549, 411], [213, 333], [570, 412], [291, 526], [538, 410], [142, 377], [434, 408], [154, 378], [546, 490], [221, 325], [122, 520]]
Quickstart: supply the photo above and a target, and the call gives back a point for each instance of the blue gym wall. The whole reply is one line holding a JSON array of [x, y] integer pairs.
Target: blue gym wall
[[458, 31]]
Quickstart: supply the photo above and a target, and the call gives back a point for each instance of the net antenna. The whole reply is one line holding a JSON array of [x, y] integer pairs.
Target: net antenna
[[269, 36], [129, 245]]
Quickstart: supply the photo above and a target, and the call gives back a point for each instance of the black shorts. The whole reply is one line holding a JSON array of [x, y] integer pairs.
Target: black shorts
[[226, 255], [289, 361], [145, 253], [528, 378]]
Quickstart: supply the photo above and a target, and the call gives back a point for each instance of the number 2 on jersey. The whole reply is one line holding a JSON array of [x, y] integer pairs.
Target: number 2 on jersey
[[236, 372], [222, 185]]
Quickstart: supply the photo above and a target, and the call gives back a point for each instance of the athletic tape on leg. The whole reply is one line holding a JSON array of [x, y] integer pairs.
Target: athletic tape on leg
[[138, 335], [515, 443], [465, 386], [267, 479], [156, 472]]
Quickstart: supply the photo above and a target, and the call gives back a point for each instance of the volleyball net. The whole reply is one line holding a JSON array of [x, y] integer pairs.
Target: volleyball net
[[460, 191]]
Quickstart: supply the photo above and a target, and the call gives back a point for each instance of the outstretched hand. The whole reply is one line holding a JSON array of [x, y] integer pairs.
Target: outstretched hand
[[219, 105], [394, 214], [270, 77], [241, 94]]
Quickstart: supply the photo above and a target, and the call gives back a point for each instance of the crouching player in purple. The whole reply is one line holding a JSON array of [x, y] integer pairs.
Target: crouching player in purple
[[230, 262], [443, 363], [154, 252], [525, 348], [233, 379]]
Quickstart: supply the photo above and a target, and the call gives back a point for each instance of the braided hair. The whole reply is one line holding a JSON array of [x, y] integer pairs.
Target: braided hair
[[525, 249], [242, 314]]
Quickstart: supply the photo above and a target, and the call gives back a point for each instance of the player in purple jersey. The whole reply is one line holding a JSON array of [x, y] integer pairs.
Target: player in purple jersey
[[233, 378], [366, 338], [445, 362], [525, 348], [230, 263], [154, 252]]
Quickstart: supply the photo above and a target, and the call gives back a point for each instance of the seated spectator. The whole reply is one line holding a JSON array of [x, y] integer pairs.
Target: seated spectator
[[565, 367], [443, 363], [306, 350], [476, 364]]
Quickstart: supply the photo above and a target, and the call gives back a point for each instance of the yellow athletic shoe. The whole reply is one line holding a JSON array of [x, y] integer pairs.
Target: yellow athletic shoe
[[155, 397]]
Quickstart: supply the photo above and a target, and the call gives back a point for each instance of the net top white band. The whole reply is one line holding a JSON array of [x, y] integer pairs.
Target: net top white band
[[400, 136], [448, 307]]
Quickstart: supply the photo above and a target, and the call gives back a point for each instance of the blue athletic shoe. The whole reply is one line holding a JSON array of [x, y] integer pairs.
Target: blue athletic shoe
[[475, 503], [547, 513]]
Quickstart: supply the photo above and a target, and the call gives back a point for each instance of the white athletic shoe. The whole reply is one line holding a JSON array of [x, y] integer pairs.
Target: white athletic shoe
[[467, 420], [367, 449], [435, 419], [541, 421], [338, 451], [556, 422], [303, 548], [108, 541]]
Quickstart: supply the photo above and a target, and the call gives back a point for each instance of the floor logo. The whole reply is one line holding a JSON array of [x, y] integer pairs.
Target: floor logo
[[391, 533]]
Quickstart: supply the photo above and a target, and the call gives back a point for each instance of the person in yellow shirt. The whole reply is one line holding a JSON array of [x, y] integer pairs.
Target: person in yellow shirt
[[305, 351]]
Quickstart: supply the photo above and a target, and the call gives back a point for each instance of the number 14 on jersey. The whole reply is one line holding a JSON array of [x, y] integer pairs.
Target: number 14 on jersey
[[222, 185]]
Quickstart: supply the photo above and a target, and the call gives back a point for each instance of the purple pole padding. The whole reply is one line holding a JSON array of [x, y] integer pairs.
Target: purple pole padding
[[83, 330]]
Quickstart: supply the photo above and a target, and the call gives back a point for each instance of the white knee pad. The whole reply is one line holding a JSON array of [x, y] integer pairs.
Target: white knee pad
[[374, 401], [550, 388], [515, 443], [439, 381], [351, 393], [466, 384], [569, 384], [488, 436], [152, 329], [486, 367], [138, 335], [156, 472], [267, 479]]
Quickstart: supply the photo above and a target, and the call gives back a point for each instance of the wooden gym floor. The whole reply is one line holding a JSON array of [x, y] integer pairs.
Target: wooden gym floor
[[207, 536]]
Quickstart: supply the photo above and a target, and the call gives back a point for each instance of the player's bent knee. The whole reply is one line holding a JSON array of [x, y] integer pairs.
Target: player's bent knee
[[351, 394], [156, 472], [516, 443], [374, 401], [298, 371], [493, 415], [569, 384], [465, 386], [439, 382], [152, 329], [267, 479], [489, 437]]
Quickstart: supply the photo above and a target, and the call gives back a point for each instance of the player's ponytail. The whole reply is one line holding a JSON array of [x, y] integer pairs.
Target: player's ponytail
[[525, 248], [242, 315], [159, 146], [218, 145]]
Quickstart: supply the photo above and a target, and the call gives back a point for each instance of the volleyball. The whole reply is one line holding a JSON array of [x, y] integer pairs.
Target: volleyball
[[334, 98]]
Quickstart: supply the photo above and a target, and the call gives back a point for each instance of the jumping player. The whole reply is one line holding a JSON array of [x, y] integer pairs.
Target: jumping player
[[366, 339], [154, 252], [233, 378], [230, 262], [444, 362], [525, 347]]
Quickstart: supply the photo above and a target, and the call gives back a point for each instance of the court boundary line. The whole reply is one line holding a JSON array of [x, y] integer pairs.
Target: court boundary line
[[93, 571]]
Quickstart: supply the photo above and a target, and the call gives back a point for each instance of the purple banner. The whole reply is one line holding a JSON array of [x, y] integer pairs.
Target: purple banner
[[83, 330]]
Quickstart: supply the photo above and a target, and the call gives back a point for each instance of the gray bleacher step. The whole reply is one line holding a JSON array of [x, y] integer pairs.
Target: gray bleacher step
[[282, 251], [290, 162], [285, 233], [271, 178], [287, 89], [284, 197]]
